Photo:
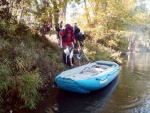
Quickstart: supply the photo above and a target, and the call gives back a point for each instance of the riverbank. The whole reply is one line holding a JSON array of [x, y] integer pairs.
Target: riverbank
[[34, 65], [113, 98], [29, 63]]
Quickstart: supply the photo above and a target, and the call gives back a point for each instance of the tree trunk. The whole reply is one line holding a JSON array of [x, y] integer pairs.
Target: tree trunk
[[56, 13], [37, 5], [21, 13], [64, 10], [87, 13], [10, 6]]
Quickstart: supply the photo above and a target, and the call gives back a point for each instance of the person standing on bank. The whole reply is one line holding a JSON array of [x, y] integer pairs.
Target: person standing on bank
[[78, 35], [61, 25], [68, 55], [67, 37], [76, 29], [58, 33]]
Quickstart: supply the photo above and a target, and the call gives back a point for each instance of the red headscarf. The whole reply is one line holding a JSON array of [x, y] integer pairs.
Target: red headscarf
[[70, 28]]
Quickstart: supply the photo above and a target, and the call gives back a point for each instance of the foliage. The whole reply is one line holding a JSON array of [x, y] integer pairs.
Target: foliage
[[95, 51], [28, 84], [110, 21], [25, 65], [5, 80]]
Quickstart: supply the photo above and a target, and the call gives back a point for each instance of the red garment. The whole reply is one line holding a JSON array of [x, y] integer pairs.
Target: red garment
[[68, 41], [62, 32], [71, 29], [64, 44], [69, 36]]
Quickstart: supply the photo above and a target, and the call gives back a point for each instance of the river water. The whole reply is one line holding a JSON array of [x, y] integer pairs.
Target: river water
[[128, 93]]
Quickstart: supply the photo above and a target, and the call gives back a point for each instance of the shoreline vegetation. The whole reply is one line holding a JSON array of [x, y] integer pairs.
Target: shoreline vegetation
[[29, 64]]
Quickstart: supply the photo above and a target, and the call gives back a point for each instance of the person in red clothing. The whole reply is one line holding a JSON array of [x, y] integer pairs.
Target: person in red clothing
[[67, 43], [67, 37]]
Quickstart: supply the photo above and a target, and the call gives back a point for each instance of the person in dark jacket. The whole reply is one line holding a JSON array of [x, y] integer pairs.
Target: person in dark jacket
[[58, 33], [76, 29]]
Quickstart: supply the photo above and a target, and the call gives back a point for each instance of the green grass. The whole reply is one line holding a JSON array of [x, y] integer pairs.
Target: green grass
[[29, 63]]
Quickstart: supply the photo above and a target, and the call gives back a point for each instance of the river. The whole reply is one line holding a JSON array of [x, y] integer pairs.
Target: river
[[128, 93]]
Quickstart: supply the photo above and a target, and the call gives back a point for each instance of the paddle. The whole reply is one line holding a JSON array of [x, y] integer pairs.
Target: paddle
[[86, 57]]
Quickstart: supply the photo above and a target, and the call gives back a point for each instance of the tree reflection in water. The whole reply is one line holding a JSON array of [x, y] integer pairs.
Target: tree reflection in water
[[85, 103]]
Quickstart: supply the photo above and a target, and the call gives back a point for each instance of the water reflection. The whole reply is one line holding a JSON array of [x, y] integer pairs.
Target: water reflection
[[138, 60], [134, 85], [91, 103]]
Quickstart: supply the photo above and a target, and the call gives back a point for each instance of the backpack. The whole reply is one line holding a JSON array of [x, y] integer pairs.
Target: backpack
[[64, 37], [80, 36], [76, 31]]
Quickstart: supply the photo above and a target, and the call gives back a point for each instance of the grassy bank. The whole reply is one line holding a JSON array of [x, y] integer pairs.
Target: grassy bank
[[29, 64]]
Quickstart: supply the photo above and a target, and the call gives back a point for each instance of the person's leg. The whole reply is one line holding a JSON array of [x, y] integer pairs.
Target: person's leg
[[71, 62], [71, 56], [65, 54], [78, 58], [58, 37], [79, 62], [64, 58]]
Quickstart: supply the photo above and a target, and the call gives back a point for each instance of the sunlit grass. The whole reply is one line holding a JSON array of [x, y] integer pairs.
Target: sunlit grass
[[97, 51]]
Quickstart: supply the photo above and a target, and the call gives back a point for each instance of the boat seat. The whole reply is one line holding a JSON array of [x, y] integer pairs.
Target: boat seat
[[101, 66], [94, 70]]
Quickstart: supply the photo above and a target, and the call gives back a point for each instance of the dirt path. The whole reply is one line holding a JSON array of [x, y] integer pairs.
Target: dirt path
[[52, 38]]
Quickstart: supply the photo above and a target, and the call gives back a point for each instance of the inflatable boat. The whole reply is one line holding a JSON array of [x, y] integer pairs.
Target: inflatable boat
[[89, 77]]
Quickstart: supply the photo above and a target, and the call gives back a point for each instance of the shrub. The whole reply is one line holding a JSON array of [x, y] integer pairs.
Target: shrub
[[28, 84]]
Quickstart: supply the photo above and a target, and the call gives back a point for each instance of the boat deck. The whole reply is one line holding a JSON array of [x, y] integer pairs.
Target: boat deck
[[87, 71]]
